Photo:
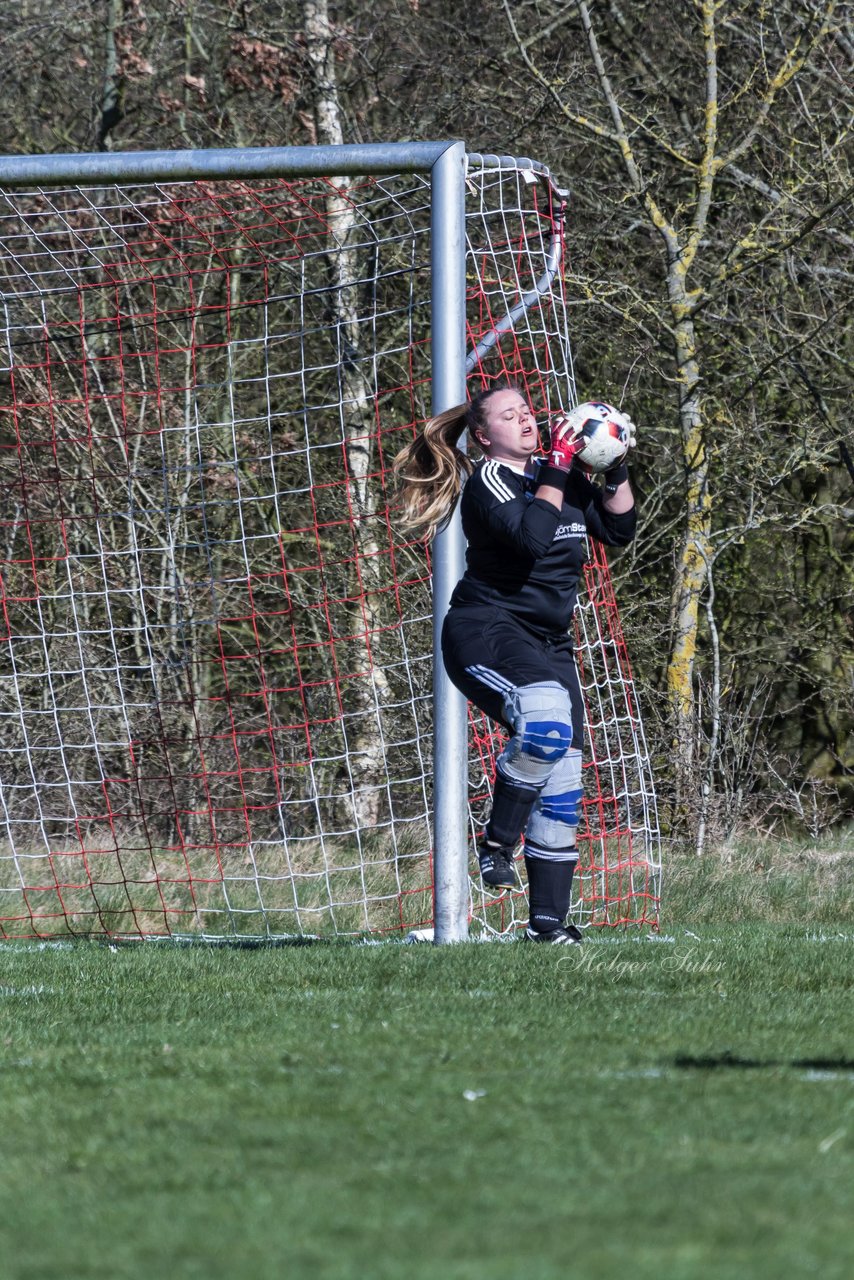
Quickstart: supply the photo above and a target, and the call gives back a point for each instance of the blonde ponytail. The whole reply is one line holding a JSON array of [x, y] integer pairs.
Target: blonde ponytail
[[428, 473], [428, 469]]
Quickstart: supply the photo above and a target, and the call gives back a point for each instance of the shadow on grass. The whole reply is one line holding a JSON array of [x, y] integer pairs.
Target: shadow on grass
[[732, 1061]]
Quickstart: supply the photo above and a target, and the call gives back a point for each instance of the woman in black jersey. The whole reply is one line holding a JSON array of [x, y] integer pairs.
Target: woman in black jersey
[[505, 639]]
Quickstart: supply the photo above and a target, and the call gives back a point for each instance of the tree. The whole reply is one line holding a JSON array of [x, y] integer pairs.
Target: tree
[[707, 148], [695, 115], [367, 756]]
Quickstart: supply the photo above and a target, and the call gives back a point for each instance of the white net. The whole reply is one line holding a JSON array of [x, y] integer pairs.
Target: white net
[[215, 677]]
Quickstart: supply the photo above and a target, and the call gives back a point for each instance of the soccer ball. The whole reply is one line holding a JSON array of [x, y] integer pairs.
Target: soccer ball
[[605, 431]]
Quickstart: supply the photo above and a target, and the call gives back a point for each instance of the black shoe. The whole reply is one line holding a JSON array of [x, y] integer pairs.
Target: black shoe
[[496, 867], [567, 934]]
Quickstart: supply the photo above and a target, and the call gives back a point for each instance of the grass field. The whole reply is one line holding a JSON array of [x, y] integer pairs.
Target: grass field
[[671, 1107]]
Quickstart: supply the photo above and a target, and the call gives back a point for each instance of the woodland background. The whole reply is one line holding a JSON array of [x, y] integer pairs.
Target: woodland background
[[707, 147]]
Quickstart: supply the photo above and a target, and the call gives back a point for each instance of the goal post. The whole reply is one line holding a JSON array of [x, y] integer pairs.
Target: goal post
[[223, 710], [448, 293]]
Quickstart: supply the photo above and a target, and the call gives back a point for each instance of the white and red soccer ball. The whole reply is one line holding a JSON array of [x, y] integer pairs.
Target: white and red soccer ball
[[607, 434]]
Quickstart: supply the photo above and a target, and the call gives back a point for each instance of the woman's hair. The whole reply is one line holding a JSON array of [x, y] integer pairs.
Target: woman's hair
[[428, 469]]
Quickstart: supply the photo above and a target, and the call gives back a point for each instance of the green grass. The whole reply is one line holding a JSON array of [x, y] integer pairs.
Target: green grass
[[681, 1107], [770, 880]]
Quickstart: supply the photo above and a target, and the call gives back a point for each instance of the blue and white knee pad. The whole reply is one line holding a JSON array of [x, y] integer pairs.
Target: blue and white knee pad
[[541, 716]]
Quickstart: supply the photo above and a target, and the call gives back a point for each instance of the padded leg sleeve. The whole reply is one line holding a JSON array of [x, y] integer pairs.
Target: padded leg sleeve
[[553, 823]]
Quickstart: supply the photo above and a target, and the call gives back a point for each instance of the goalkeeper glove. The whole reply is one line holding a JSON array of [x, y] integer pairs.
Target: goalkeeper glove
[[566, 442]]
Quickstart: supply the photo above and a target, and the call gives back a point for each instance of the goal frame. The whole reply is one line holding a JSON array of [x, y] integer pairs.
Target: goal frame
[[445, 163]]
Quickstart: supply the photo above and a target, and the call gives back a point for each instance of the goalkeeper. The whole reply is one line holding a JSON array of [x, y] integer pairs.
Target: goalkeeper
[[505, 639]]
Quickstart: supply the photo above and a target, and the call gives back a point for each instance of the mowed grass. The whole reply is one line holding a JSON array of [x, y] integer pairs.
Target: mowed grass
[[671, 1107]]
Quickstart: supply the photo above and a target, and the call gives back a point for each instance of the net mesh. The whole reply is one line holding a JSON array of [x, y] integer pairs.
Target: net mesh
[[216, 667]]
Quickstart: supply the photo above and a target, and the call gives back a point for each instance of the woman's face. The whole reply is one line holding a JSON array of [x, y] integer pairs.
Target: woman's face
[[511, 429]]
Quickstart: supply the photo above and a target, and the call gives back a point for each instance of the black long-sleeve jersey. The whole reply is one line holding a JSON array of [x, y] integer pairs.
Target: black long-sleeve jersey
[[524, 555]]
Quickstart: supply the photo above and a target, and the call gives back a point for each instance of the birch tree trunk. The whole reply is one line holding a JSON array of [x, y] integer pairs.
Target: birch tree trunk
[[366, 762]]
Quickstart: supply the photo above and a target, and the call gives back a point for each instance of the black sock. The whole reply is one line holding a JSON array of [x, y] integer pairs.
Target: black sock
[[549, 890]]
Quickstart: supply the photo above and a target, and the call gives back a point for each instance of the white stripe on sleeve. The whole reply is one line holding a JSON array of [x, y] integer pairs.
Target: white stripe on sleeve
[[497, 486]]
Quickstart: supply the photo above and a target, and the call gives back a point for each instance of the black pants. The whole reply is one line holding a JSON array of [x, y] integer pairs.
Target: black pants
[[487, 653]]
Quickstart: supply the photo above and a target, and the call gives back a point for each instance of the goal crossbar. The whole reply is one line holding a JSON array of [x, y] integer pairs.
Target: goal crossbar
[[223, 163]]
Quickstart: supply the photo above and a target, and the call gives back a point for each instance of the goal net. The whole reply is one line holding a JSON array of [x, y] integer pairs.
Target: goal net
[[215, 644]]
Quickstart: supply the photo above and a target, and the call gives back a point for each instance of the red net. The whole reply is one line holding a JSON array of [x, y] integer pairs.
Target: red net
[[215, 682]]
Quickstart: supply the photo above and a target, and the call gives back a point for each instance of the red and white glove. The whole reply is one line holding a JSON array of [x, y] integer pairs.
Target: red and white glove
[[566, 441]]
